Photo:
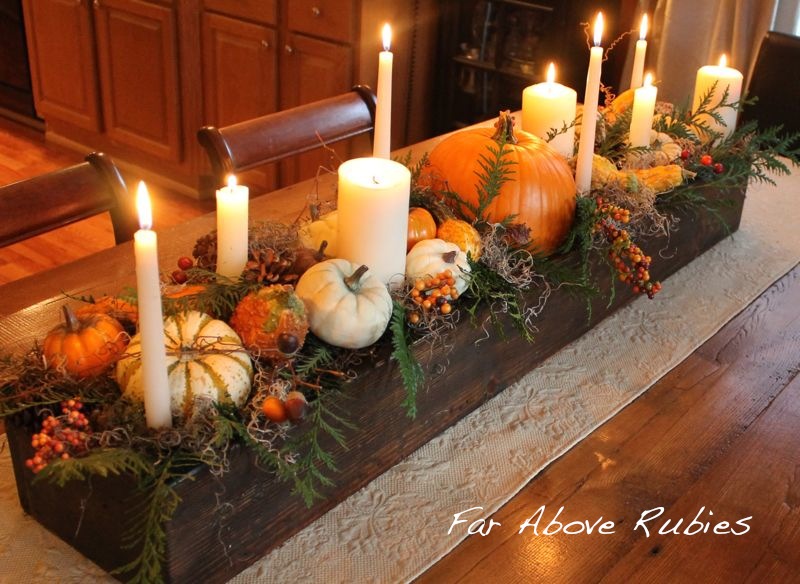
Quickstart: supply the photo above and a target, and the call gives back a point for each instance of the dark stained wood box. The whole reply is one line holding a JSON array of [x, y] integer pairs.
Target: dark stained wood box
[[264, 514]]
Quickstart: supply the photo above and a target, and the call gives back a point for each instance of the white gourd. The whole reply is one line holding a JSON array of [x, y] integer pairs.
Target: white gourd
[[430, 257], [205, 360], [346, 306]]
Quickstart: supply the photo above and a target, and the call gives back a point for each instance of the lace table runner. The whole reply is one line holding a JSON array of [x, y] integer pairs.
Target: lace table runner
[[396, 527]]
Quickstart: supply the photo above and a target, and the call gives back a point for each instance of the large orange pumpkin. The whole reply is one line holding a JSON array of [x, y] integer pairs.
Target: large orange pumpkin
[[540, 191]]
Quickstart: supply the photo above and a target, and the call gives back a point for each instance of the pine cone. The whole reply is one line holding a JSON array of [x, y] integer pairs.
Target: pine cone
[[271, 267], [205, 251], [517, 235]]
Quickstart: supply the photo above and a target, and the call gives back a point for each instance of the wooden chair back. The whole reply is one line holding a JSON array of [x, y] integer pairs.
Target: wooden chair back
[[776, 83], [269, 138], [36, 205]]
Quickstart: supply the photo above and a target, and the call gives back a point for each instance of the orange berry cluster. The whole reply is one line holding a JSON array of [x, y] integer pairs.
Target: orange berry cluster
[[632, 265], [62, 436], [433, 294]]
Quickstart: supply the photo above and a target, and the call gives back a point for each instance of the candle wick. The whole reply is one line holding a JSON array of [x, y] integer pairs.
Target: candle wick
[[375, 180]]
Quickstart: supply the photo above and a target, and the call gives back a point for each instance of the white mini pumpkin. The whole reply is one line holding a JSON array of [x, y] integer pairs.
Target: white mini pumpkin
[[347, 307], [326, 228], [430, 257], [205, 362]]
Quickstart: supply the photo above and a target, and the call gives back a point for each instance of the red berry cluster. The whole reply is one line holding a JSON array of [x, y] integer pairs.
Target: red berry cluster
[[632, 265], [705, 160], [62, 436], [180, 276]]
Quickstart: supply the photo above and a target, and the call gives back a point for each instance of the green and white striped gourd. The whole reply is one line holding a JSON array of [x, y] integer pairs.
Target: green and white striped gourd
[[205, 361]]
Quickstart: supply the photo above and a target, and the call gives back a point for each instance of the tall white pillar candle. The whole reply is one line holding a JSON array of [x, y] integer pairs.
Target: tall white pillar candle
[[639, 55], [724, 77], [547, 106], [381, 146], [644, 105], [151, 321], [373, 215], [232, 225], [583, 165]]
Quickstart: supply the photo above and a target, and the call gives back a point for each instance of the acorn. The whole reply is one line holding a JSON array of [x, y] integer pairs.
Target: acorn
[[305, 257], [296, 406], [274, 409], [288, 343]]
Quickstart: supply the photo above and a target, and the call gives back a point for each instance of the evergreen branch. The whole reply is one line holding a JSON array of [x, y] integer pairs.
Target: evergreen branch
[[101, 462], [495, 171], [151, 514], [410, 370]]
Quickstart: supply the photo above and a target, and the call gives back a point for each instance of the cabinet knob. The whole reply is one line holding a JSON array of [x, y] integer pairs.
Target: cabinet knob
[[265, 44], [289, 49], [96, 3], [316, 12], [79, 2]]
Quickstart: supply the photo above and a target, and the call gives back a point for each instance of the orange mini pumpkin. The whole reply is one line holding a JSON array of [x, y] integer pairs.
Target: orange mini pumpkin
[[540, 191], [84, 346], [420, 226]]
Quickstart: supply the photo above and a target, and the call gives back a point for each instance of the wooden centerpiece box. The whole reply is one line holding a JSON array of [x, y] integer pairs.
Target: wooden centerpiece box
[[209, 543]]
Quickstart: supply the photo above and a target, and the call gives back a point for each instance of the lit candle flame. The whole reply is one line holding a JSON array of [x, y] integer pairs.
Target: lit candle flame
[[643, 28], [387, 36], [143, 206], [598, 29], [551, 73], [648, 80], [723, 61], [231, 181]]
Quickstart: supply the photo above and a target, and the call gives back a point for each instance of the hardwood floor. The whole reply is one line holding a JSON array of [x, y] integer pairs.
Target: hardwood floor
[[718, 434], [23, 154]]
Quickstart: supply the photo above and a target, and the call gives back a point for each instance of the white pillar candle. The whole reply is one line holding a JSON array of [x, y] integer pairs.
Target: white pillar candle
[[644, 105], [151, 321], [373, 215], [639, 54], [381, 146], [583, 165], [232, 224], [547, 106], [724, 77]]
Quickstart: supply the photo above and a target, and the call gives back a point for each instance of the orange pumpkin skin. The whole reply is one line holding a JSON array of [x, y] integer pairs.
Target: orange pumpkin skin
[[420, 226], [540, 190], [84, 346]]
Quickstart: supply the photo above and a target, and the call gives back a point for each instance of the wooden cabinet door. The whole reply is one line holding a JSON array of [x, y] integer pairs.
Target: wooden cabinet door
[[311, 70], [137, 53], [240, 78], [62, 58]]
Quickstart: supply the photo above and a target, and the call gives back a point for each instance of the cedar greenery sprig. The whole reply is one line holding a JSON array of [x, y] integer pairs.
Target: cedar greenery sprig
[[496, 169], [410, 369]]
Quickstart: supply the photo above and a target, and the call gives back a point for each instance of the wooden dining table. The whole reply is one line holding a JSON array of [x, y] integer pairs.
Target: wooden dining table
[[744, 378]]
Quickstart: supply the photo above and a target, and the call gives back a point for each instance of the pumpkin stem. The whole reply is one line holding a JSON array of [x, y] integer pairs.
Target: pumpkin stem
[[73, 325], [354, 281], [505, 128], [450, 257], [320, 255]]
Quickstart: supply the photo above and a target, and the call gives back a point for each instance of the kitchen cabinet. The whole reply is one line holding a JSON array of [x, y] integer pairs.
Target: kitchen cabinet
[[62, 58], [140, 90], [138, 78]]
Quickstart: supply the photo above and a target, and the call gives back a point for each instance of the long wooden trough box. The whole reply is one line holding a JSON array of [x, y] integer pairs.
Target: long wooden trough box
[[260, 513]]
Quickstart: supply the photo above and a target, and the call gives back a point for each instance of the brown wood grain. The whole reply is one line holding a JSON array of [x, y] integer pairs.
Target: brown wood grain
[[719, 431]]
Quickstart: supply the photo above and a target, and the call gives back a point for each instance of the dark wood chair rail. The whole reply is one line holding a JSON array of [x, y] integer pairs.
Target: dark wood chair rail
[[34, 206], [775, 83], [269, 138]]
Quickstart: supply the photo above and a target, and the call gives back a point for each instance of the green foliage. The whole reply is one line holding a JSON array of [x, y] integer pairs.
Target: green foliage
[[495, 170], [410, 370], [150, 514], [218, 297], [101, 462]]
